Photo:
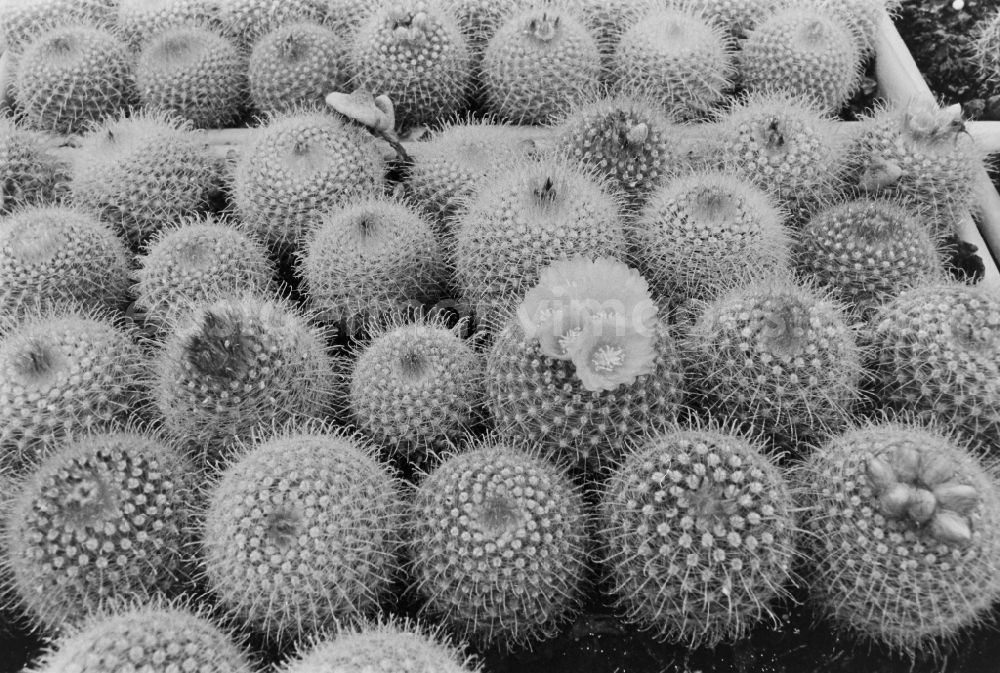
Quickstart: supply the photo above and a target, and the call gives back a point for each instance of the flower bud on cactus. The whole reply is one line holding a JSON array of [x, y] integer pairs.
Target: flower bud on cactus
[[153, 638], [585, 364], [29, 172], [699, 534], [297, 165], [498, 544], [296, 64], [416, 388], [805, 50], [527, 214], [301, 530], [237, 362], [199, 259], [702, 231], [62, 372], [143, 172], [778, 357], [71, 76], [866, 251], [938, 356], [395, 646], [106, 517], [922, 154], [50, 255], [541, 63], [679, 58], [194, 72], [414, 52], [904, 533]]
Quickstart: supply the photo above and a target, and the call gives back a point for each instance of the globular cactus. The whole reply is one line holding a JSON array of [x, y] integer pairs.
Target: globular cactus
[[157, 637], [541, 62], [195, 73], [297, 165], [302, 529], [627, 139], [198, 259], [737, 17], [63, 372], [702, 231], [370, 258], [699, 533], [527, 214], [416, 388], [866, 251], [23, 20], [232, 364], [584, 364], [30, 173], [863, 17], [904, 533], [777, 357], [105, 518], [499, 544], [677, 57], [608, 20], [51, 255], [144, 172], [922, 154], [394, 646], [414, 52], [785, 145], [986, 47], [937, 349], [247, 21], [448, 168], [296, 64], [479, 20], [137, 21], [71, 76], [805, 50]]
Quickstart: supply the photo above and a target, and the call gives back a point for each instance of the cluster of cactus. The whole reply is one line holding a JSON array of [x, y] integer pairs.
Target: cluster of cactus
[[683, 319]]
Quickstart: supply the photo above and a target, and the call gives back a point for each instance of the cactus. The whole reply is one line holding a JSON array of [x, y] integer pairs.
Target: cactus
[[106, 517], [63, 372], [370, 258], [296, 64], [51, 255], [137, 21], [986, 47], [479, 20], [805, 50], [938, 357], [778, 357], [904, 532], [71, 76], [302, 529], [29, 172], [699, 535], [236, 362], [23, 20], [627, 139], [585, 365], [394, 646], [199, 259], [736, 17], [679, 58], [527, 214], [297, 165], [498, 544], [448, 168], [866, 251], [154, 638], [247, 21], [416, 388], [540, 63], [143, 172], [863, 17], [785, 145], [922, 154], [194, 72], [701, 232], [414, 52]]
